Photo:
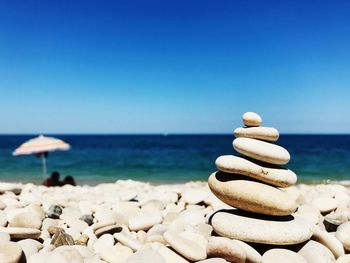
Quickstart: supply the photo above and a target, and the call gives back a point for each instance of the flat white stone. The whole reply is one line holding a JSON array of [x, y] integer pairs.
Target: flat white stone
[[145, 256], [213, 260], [21, 232], [105, 241], [238, 165], [65, 254], [144, 221], [315, 252], [344, 259], [116, 254], [40, 257], [110, 229], [262, 151], [10, 252], [282, 255], [158, 229], [10, 187], [30, 246], [251, 119], [84, 251], [250, 196], [252, 256], [36, 209], [194, 196], [26, 219], [235, 224], [128, 241], [325, 204], [259, 133], [223, 247], [328, 240], [93, 259], [185, 247], [169, 255], [343, 234]]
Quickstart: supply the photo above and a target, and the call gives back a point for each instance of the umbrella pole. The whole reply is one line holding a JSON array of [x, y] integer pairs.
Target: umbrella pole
[[43, 161]]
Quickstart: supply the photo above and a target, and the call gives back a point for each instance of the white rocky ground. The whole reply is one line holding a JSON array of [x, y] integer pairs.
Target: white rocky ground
[[131, 221]]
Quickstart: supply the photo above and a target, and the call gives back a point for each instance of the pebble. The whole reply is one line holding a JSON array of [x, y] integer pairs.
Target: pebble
[[169, 255], [262, 151], [328, 240], [54, 211], [252, 256], [282, 255], [21, 232], [30, 246], [249, 195], [145, 256], [10, 252], [10, 187], [259, 133], [110, 229], [194, 196], [325, 204], [116, 254], [83, 239], [88, 219], [343, 235], [76, 224], [309, 213], [185, 247], [40, 257], [245, 227], [128, 241], [251, 119], [144, 221], [344, 259], [213, 260], [315, 252], [36, 209], [105, 241], [157, 230], [26, 219], [238, 165], [84, 251], [65, 254], [335, 219], [60, 238], [223, 247], [99, 225]]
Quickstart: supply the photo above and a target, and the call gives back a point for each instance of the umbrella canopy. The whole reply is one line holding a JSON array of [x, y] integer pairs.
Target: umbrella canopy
[[40, 146]]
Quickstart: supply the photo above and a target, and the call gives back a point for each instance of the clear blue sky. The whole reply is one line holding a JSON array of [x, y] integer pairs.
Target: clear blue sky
[[173, 66]]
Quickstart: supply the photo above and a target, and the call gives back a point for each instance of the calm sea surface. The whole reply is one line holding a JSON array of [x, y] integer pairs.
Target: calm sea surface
[[174, 158]]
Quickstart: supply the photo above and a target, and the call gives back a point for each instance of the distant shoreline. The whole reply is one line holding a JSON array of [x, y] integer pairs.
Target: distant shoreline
[[164, 134]]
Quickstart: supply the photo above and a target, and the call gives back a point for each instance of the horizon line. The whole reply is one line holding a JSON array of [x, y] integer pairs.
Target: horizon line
[[159, 134]]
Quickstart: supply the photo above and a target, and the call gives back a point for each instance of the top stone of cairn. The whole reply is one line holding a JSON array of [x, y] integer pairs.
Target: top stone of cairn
[[251, 119]]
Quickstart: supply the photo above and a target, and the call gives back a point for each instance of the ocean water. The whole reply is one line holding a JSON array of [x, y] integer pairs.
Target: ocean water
[[173, 158]]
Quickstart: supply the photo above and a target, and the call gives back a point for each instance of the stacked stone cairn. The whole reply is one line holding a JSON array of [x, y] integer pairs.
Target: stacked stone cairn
[[261, 194], [261, 217]]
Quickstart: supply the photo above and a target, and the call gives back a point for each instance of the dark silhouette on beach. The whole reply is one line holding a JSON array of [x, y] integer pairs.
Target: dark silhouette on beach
[[54, 180], [68, 180]]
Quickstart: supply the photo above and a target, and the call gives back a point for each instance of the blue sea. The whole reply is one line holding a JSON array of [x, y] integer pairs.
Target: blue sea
[[174, 158]]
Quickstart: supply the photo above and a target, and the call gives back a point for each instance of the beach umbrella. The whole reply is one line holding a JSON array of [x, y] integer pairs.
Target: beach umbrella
[[41, 146]]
